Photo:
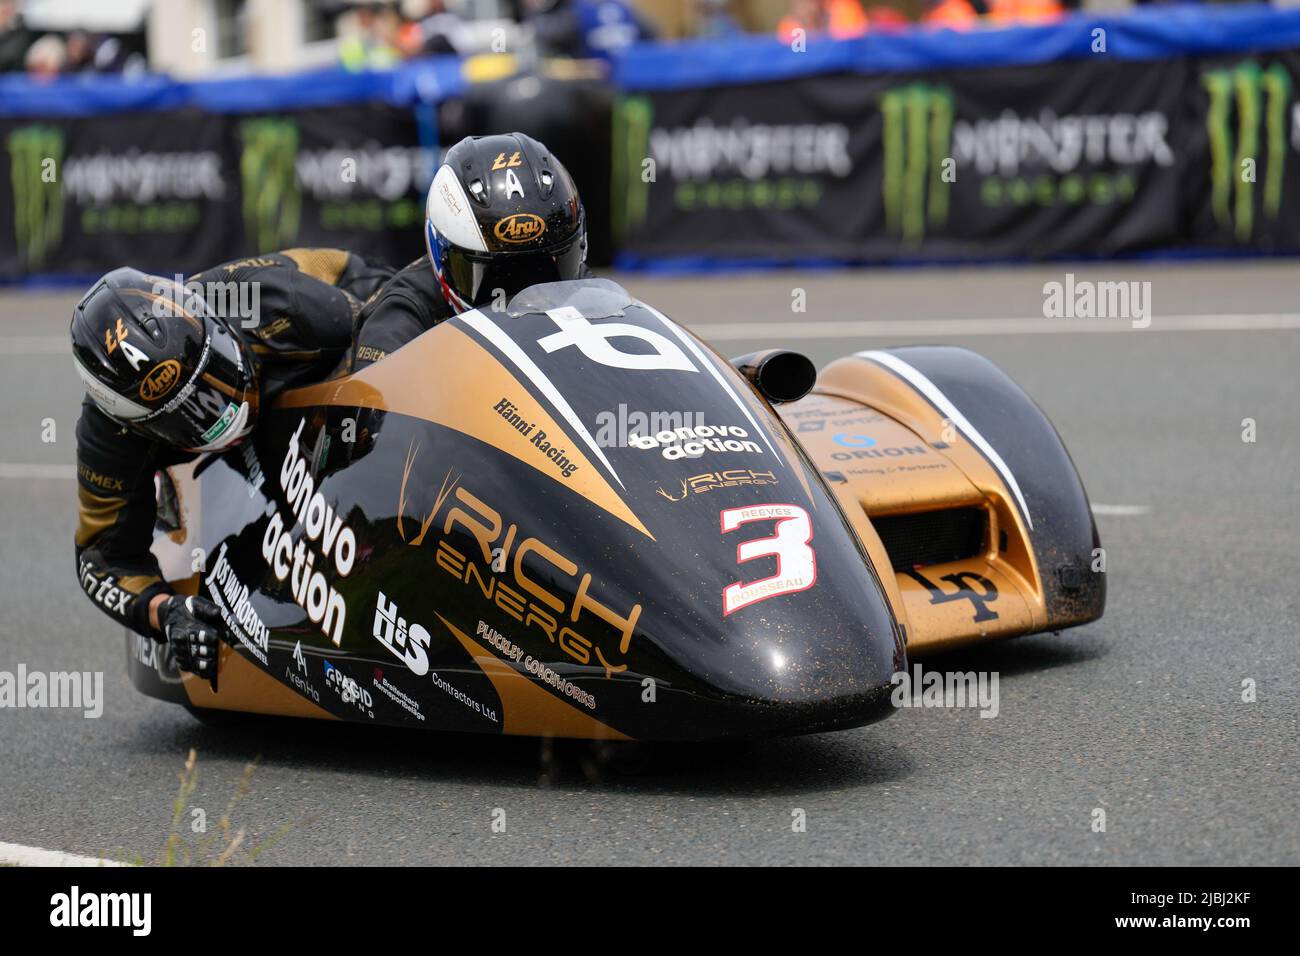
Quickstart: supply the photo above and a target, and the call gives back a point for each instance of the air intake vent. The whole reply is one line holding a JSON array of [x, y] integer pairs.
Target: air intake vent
[[932, 537]]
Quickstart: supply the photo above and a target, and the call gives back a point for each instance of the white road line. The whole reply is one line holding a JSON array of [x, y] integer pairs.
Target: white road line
[[1032, 325], [875, 328], [24, 472], [35, 345], [15, 854], [1120, 510]]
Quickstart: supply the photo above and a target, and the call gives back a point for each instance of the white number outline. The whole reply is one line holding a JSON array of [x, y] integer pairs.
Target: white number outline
[[783, 547]]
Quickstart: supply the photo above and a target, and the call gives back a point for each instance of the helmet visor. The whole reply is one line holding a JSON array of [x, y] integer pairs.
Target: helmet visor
[[216, 407], [477, 276]]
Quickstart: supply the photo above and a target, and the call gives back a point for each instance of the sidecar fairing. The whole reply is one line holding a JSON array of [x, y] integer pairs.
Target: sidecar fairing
[[961, 491], [567, 518]]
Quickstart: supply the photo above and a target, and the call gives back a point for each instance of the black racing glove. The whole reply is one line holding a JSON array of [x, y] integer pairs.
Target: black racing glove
[[193, 628]]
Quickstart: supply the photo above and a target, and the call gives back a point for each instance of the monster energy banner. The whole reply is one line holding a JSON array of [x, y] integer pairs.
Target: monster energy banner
[[744, 170], [1248, 132], [350, 177], [89, 194], [180, 191], [1086, 157]]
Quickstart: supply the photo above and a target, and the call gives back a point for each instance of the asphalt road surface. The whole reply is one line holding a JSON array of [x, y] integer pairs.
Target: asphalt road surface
[[1140, 715]]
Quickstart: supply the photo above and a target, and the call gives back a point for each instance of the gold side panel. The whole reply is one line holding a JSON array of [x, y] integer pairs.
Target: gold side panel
[[875, 438], [871, 385], [527, 709], [246, 687], [890, 467], [946, 620], [449, 379]]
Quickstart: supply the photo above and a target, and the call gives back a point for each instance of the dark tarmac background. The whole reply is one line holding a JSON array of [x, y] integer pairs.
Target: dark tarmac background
[[1139, 714]]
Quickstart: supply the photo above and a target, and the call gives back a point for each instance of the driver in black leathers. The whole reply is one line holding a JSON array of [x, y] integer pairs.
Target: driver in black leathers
[[167, 377], [502, 214]]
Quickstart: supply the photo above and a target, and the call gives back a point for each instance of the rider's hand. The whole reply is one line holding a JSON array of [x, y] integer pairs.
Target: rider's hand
[[192, 626]]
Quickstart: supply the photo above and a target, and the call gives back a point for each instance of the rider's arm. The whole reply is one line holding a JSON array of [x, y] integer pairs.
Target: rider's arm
[[409, 304], [155, 603], [115, 493], [362, 278], [344, 270], [397, 321]]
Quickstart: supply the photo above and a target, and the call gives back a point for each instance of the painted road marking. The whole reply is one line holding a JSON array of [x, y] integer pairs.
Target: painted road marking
[[35, 345], [1120, 510], [21, 345], [15, 854], [1034, 325], [26, 472]]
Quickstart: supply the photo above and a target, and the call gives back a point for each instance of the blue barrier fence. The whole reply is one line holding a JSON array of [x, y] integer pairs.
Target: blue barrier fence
[[949, 146], [58, 230], [420, 81], [1147, 33], [1142, 34]]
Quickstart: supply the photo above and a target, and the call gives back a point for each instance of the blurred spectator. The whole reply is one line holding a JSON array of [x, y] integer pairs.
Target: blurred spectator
[[368, 36], [94, 53], [430, 29], [584, 28], [81, 52], [887, 20], [46, 57], [952, 14], [15, 38], [1006, 12], [839, 18], [713, 19], [112, 57]]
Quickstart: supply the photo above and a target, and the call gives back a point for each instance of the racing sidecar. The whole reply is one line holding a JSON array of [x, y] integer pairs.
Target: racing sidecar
[[572, 518]]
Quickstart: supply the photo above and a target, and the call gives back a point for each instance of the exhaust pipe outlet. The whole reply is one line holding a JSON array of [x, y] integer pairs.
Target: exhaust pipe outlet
[[780, 375]]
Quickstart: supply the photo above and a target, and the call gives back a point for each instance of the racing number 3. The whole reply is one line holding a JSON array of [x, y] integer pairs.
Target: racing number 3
[[796, 565]]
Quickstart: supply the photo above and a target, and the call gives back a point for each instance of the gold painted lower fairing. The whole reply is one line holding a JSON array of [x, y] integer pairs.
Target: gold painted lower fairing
[[245, 687], [885, 452]]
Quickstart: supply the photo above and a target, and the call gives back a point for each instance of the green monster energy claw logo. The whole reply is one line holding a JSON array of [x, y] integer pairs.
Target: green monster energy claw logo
[[272, 199], [1257, 95], [633, 116], [917, 139], [35, 159]]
